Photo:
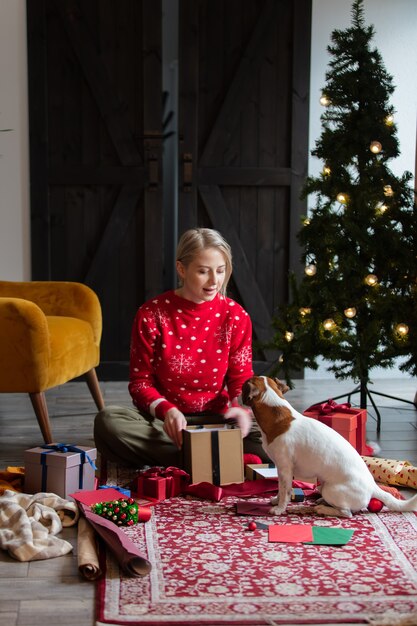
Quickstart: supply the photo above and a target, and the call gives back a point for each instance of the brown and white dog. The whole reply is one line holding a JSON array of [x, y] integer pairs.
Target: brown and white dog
[[302, 446]]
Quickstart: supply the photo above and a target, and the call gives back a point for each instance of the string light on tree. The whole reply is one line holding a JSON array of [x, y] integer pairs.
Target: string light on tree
[[306, 221], [371, 280], [304, 310], [310, 269], [329, 324], [289, 336], [388, 191], [350, 312], [389, 120], [324, 100], [381, 207], [342, 197], [401, 329], [375, 147], [326, 170]]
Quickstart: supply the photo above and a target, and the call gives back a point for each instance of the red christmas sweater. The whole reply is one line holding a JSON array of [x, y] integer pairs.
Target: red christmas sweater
[[195, 357]]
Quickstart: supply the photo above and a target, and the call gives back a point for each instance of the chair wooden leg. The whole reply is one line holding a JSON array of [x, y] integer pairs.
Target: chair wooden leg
[[94, 387], [41, 410]]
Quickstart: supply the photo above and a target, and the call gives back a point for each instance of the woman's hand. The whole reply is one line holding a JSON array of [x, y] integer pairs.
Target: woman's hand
[[242, 417], [174, 424]]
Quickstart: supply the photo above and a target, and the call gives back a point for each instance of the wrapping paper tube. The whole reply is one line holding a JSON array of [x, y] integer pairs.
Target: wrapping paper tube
[[88, 564]]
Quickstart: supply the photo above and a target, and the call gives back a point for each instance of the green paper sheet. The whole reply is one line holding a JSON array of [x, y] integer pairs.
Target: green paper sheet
[[323, 535]]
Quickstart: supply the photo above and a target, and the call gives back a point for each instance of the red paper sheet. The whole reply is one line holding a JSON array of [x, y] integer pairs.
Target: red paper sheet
[[97, 495], [290, 533]]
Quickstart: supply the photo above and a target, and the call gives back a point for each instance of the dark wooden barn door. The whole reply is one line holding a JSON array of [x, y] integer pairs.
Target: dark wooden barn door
[[95, 92], [95, 124], [244, 84]]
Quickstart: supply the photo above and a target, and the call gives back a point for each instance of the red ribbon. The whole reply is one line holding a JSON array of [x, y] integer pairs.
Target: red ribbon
[[325, 408], [144, 514], [207, 491]]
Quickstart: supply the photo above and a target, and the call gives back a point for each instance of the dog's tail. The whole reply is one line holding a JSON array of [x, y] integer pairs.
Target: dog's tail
[[393, 503]]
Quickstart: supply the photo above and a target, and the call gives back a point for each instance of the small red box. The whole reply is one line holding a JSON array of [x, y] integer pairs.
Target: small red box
[[161, 483], [349, 422], [151, 487]]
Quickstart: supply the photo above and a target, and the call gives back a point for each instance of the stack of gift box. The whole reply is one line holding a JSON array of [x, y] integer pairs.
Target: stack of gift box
[[212, 454]]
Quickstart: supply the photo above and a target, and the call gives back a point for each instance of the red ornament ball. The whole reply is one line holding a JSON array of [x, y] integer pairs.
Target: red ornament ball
[[375, 505], [252, 526]]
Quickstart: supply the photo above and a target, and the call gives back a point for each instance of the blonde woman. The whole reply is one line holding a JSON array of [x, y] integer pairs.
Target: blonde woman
[[191, 352]]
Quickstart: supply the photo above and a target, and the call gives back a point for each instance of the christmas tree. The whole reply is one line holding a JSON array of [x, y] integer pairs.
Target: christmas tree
[[356, 304]]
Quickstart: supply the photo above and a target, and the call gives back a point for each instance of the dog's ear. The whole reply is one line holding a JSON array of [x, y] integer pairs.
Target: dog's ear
[[249, 392], [281, 386]]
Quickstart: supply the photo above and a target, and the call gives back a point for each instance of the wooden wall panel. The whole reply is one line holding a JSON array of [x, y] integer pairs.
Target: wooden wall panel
[[95, 88], [93, 211], [249, 156]]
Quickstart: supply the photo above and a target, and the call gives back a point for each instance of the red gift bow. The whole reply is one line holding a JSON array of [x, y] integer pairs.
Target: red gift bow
[[175, 477], [325, 408]]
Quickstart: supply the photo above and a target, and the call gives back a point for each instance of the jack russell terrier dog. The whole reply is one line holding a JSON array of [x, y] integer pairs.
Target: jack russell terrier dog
[[303, 446]]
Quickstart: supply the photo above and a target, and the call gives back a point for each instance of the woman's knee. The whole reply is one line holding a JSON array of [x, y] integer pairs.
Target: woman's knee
[[108, 419]]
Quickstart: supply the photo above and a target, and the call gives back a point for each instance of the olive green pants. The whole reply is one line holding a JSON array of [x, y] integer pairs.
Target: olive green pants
[[126, 437]]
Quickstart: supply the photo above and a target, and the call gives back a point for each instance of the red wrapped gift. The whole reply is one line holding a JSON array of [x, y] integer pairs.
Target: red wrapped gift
[[161, 483], [349, 422]]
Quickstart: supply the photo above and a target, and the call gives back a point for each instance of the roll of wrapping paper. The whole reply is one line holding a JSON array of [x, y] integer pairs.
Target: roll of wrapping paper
[[130, 559], [392, 471], [88, 564]]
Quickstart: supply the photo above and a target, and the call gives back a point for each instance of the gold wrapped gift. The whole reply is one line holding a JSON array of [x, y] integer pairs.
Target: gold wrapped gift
[[392, 472]]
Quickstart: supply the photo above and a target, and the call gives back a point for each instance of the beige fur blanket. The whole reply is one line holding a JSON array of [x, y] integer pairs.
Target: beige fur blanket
[[29, 524]]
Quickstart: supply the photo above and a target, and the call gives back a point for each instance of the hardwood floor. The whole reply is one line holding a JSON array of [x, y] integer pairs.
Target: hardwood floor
[[39, 591]]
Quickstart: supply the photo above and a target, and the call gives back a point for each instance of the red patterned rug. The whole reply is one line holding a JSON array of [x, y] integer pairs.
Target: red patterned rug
[[208, 569]]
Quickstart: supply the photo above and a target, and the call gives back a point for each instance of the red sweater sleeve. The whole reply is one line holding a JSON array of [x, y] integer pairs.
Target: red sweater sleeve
[[142, 389]]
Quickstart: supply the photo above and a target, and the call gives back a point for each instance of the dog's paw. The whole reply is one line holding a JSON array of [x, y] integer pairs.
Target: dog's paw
[[274, 500], [277, 510]]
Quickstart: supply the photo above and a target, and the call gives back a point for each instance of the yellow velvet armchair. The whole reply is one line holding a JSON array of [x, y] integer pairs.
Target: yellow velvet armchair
[[50, 333]]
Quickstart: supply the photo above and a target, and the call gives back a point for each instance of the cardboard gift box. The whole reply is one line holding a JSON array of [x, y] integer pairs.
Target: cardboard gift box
[[160, 483], [252, 470], [349, 422], [60, 468], [213, 454]]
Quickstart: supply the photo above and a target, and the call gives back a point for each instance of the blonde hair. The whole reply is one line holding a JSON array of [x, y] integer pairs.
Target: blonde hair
[[193, 241]]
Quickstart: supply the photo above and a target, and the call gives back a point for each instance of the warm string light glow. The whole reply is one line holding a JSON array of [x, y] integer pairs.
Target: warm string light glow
[[342, 197], [389, 120], [388, 191], [371, 280], [326, 170], [310, 269], [381, 208], [306, 221], [324, 100], [329, 324], [304, 310], [289, 336], [375, 147], [350, 312], [402, 329]]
